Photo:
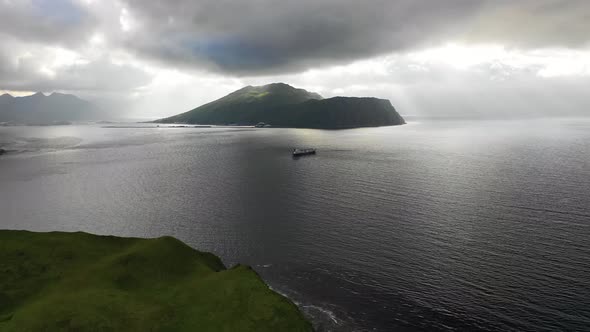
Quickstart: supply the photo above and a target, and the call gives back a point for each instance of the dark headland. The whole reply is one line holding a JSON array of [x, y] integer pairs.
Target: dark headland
[[282, 105], [81, 282]]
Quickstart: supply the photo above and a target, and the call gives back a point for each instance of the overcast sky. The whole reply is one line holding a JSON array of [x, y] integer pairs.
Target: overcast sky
[[433, 58]]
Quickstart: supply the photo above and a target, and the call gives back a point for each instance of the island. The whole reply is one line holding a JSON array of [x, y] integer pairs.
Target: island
[[281, 105], [81, 282]]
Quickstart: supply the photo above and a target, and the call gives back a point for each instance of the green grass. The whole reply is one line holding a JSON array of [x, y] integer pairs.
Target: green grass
[[255, 94], [82, 282]]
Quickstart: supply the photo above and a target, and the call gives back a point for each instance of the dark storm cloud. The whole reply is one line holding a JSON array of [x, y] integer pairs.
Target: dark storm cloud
[[58, 22], [257, 37], [262, 36], [267, 36], [31, 31]]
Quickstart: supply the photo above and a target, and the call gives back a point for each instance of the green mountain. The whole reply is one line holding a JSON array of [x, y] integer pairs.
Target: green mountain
[[282, 105], [82, 282], [244, 106]]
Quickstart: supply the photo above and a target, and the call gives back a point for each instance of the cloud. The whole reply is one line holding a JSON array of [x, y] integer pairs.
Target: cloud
[[36, 67], [260, 37], [59, 22], [428, 57], [264, 37], [533, 24]]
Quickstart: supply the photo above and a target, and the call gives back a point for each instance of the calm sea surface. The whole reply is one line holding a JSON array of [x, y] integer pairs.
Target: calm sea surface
[[431, 226]]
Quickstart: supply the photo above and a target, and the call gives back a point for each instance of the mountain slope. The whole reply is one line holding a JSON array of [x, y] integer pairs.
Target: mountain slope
[[41, 109], [5, 98], [81, 282], [244, 106], [281, 105]]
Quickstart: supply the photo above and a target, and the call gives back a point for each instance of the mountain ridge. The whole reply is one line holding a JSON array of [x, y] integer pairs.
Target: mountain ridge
[[39, 108]]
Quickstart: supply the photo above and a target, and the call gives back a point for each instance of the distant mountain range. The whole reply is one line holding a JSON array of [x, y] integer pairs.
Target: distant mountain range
[[42, 109], [282, 105]]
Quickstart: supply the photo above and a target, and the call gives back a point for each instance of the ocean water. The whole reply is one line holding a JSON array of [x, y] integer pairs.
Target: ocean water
[[434, 226]]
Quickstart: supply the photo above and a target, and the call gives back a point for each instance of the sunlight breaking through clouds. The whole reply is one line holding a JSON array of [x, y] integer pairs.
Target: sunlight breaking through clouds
[[550, 62], [427, 57]]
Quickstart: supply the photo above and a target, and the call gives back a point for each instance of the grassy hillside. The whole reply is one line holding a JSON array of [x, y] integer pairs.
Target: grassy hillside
[[82, 282], [244, 106]]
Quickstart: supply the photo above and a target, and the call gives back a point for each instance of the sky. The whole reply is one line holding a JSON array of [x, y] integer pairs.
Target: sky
[[445, 58]]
